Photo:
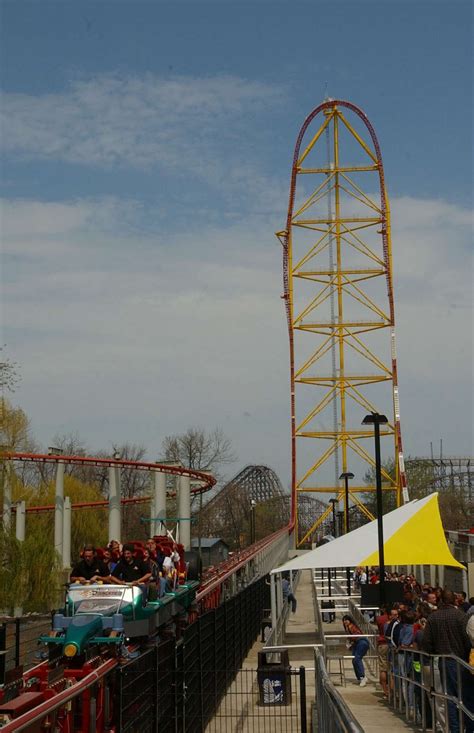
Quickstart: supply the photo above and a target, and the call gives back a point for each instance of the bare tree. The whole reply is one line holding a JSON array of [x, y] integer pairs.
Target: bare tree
[[9, 374], [200, 450]]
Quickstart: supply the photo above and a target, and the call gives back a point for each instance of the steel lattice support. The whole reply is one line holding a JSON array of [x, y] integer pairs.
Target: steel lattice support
[[340, 306]]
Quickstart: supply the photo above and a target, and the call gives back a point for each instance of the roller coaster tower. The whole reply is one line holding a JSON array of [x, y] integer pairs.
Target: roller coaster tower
[[338, 292]]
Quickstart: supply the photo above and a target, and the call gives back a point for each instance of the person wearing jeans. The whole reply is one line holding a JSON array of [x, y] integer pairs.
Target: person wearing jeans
[[359, 646]]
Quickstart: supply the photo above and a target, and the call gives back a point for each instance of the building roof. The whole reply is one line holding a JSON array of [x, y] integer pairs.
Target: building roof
[[207, 542]]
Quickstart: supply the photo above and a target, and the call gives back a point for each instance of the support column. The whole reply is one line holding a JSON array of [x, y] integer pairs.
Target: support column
[[7, 499], [59, 508], [273, 602], [159, 501], [20, 535], [67, 533], [20, 521], [114, 505], [432, 575], [441, 576], [422, 574], [184, 511]]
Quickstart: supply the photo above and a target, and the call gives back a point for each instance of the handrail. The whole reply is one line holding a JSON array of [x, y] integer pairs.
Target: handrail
[[225, 570], [331, 712], [47, 707], [425, 688]]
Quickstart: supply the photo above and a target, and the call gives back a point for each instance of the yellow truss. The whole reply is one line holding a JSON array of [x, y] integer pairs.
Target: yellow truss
[[344, 284]]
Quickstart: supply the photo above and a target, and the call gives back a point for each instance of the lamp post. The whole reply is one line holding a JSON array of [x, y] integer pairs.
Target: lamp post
[[346, 476], [377, 420], [334, 502], [253, 504]]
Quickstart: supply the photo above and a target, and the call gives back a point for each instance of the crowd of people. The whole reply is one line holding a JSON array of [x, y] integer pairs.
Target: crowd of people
[[157, 565], [428, 621]]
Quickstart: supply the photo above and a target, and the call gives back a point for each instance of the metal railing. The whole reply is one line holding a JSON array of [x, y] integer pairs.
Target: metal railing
[[435, 692], [19, 641], [330, 713], [370, 631], [277, 634]]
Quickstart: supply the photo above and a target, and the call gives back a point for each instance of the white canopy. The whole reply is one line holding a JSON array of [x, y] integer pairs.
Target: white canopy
[[413, 535]]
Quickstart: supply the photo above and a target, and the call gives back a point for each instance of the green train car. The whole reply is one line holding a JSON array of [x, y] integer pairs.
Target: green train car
[[115, 615]]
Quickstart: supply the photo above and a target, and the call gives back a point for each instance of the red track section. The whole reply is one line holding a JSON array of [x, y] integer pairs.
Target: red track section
[[46, 708], [208, 481]]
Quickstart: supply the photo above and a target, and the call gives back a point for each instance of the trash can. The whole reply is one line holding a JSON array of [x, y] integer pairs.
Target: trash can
[[274, 678]]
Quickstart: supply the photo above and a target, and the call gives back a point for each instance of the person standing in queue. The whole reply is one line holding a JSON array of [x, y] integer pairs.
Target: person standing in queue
[[359, 646]]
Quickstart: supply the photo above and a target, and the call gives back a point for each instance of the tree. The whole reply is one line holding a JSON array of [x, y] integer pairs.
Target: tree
[[455, 507], [9, 374], [389, 498], [200, 450]]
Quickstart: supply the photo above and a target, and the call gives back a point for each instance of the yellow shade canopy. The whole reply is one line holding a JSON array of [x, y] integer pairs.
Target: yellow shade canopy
[[413, 535]]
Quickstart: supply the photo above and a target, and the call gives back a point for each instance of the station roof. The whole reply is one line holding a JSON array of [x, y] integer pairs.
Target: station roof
[[207, 542]]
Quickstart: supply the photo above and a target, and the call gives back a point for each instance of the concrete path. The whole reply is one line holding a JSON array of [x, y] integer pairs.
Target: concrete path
[[241, 710]]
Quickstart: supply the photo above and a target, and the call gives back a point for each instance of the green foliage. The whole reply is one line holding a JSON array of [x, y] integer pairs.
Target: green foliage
[[30, 574], [389, 499]]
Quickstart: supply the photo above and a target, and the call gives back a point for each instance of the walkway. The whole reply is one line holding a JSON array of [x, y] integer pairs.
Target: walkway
[[241, 711], [366, 703]]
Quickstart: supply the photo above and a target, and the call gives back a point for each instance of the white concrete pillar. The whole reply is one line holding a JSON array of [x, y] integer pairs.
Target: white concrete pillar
[[20, 521], [114, 505], [159, 508], [67, 533], [441, 575], [20, 535], [273, 601], [59, 508], [7, 500], [279, 594], [184, 511], [432, 575], [465, 584], [421, 578]]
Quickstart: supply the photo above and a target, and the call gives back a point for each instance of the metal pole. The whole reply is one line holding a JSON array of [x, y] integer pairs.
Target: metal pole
[[304, 725], [378, 486], [59, 509], [346, 504], [67, 533]]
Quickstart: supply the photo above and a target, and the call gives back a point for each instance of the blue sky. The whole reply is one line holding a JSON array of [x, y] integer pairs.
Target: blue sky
[[146, 151]]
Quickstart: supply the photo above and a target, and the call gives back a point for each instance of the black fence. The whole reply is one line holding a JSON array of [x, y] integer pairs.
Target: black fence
[[178, 687], [19, 642]]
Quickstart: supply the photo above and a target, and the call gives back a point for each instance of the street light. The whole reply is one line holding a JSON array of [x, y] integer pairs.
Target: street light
[[253, 504], [334, 502], [377, 420], [346, 476]]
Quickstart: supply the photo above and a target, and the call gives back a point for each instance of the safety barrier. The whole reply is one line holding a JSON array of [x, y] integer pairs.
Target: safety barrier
[[435, 692], [370, 631], [330, 713], [19, 641], [244, 567]]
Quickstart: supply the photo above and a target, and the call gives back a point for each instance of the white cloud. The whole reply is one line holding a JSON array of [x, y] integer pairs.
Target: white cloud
[[132, 334], [137, 121]]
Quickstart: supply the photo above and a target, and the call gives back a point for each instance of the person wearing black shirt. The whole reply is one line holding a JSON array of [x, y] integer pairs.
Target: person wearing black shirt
[[129, 570], [90, 569]]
